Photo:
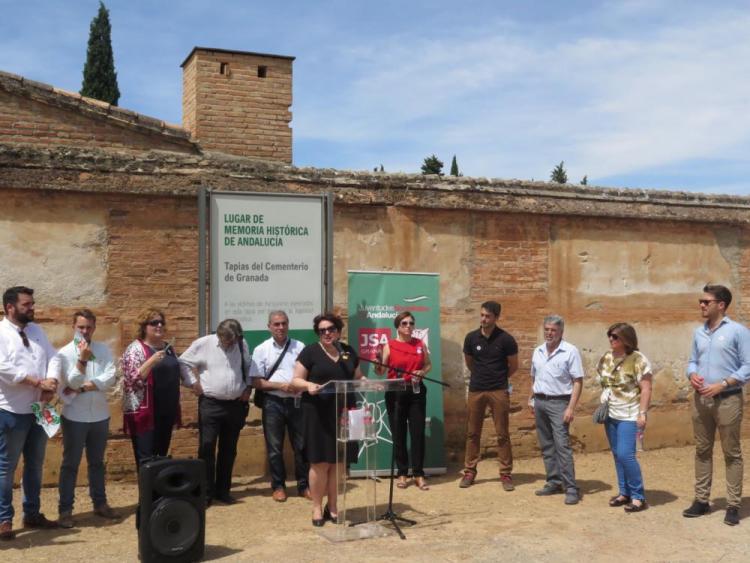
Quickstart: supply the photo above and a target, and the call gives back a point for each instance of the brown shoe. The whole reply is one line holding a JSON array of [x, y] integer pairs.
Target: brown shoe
[[105, 511], [279, 495], [507, 482], [6, 531], [306, 494], [39, 521], [467, 480]]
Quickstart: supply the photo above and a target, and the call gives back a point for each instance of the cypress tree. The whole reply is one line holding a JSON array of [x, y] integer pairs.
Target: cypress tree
[[558, 174], [432, 165], [454, 167], [99, 76]]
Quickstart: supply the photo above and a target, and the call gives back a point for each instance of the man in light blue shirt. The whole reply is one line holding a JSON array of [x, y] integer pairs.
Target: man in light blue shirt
[[557, 380], [719, 366], [87, 374]]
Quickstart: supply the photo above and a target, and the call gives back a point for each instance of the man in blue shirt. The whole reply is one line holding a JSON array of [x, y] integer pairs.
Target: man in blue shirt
[[719, 366]]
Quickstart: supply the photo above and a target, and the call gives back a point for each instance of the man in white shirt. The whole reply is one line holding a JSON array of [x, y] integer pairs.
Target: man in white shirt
[[86, 373], [557, 381], [271, 372], [25, 352], [217, 367]]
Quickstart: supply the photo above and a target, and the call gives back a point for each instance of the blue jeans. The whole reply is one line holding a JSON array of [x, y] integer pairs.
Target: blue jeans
[[621, 436], [76, 436], [280, 415], [19, 433]]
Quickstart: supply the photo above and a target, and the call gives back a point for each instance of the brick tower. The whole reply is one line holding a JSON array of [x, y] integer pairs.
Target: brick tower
[[238, 102]]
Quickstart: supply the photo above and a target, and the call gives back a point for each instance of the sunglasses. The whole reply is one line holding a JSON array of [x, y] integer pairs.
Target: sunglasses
[[707, 301], [406, 323], [157, 322], [613, 336], [328, 330]]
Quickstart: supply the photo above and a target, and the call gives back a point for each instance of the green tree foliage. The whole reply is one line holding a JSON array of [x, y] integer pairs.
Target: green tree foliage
[[585, 181], [99, 76], [558, 174], [432, 165], [454, 167]]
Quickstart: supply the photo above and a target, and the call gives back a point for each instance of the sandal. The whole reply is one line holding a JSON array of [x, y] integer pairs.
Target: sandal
[[421, 484], [636, 507], [619, 500], [402, 483]]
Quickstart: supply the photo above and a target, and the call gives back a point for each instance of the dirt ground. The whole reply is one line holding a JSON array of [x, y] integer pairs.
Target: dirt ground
[[482, 523]]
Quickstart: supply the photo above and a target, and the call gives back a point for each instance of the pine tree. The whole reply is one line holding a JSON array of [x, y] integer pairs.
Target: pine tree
[[99, 76], [454, 167], [585, 181], [432, 165], [558, 174]]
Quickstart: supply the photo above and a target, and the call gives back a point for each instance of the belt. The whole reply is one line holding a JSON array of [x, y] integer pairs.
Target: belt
[[551, 397], [215, 400], [729, 392], [279, 399]]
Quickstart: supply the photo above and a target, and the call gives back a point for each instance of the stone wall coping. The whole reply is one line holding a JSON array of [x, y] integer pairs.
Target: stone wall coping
[[164, 172], [57, 97], [233, 52]]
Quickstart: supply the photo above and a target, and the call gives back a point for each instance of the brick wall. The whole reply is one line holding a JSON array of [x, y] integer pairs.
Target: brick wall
[[229, 107], [27, 121]]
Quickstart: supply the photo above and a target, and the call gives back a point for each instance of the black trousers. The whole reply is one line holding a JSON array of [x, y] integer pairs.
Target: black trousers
[[407, 410], [219, 421], [154, 442]]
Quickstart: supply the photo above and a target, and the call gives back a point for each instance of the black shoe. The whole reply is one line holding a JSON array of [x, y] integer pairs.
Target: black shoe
[[226, 499], [696, 509], [732, 517], [328, 516], [318, 522], [548, 490], [632, 507]]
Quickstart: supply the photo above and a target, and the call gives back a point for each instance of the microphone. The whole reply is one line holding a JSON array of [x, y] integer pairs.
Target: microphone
[[340, 349]]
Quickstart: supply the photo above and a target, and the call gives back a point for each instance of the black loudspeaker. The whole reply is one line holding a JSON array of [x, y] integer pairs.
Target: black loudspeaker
[[171, 518]]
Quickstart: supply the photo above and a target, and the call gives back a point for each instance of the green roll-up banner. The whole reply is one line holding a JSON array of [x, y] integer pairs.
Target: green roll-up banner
[[375, 298]]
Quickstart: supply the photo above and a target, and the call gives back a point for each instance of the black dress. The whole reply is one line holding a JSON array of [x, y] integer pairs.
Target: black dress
[[319, 411]]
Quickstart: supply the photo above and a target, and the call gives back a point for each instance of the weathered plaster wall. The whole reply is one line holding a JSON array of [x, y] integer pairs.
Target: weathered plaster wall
[[593, 256]]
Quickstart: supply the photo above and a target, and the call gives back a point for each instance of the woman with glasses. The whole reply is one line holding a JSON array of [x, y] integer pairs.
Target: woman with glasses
[[407, 357], [317, 364], [151, 388], [625, 377]]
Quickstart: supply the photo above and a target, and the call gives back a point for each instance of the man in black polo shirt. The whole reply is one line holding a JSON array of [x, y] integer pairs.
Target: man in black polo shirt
[[491, 354]]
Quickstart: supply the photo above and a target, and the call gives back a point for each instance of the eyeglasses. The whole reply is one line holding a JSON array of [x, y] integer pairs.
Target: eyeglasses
[[327, 330], [613, 336], [157, 322], [707, 301], [406, 323]]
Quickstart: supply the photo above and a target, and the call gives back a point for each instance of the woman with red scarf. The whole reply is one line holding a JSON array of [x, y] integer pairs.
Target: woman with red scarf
[[151, 388], [407, 357]]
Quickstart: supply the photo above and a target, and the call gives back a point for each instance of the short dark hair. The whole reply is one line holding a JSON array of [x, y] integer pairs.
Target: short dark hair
[[86, 314], [492, 306], [10, 297], [626, 334], [401, 316], [720, 293], [331, 318]]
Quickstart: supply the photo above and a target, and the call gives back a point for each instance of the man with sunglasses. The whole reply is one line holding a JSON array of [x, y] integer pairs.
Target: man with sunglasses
[[272, 370], [491, 355], [25, 352], [217, 366], [719, 366]]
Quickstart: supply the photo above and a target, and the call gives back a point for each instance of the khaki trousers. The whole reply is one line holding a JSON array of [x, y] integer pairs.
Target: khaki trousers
[[724, 414], [499, 403]]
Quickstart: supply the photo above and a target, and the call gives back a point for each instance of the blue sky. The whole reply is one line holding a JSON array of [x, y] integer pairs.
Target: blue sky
[[631, 93]]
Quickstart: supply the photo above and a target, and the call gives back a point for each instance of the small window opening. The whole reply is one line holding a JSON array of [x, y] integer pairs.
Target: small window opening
[[224, 68], [262, 71]]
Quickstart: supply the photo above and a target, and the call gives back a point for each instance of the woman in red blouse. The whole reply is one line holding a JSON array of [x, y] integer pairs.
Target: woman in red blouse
[[407, 357]]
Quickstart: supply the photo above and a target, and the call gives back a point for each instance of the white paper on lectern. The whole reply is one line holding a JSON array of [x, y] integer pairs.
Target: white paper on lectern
[[357, 424]]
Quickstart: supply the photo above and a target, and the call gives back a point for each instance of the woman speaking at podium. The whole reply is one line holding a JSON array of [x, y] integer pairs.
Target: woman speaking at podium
[[317, 364], [407, 357]]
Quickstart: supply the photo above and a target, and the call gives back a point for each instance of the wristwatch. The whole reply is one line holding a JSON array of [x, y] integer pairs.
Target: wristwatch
[[725, 383]]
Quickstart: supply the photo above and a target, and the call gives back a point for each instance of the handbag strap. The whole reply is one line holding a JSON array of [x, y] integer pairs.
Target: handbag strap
[[278, 360]]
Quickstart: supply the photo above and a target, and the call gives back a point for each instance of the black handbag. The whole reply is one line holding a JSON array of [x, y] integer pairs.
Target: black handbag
[[259, 396]]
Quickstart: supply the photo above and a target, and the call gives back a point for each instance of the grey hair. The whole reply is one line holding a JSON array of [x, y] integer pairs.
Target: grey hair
[[229, 327], [278, 313], [554, 320]]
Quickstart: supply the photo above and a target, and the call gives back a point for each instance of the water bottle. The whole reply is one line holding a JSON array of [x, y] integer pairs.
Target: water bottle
[[639, 441], [415, 385], [344, 426], [369, 426]]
